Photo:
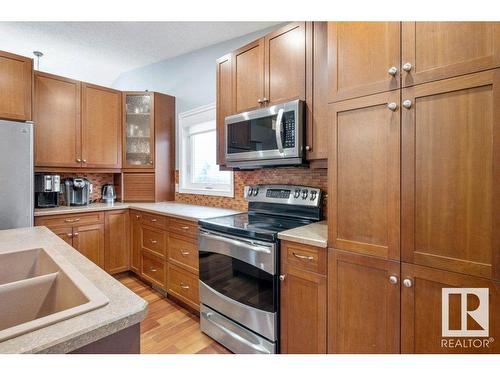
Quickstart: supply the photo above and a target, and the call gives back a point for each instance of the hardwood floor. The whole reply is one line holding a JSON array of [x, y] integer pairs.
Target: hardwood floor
[[169, 328]]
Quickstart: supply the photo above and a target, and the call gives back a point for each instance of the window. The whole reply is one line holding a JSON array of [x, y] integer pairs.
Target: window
[[198, 171]]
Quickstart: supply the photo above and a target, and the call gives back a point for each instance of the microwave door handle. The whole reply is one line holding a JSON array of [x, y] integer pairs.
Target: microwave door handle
[[279, 120]]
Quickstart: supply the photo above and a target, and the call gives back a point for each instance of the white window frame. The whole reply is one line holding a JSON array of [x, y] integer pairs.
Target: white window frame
[[187, 119]]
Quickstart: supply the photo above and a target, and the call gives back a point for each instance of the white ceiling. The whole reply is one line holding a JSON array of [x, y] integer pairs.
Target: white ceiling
[[99, 52]]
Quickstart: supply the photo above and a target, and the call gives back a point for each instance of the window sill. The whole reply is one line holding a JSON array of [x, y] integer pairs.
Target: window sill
[[217, 193]]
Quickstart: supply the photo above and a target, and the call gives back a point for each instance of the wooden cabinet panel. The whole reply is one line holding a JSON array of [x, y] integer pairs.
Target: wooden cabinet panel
[[360, 55], [317, 127], [89, 240], [303, 308], [285, 63], [184, 286], [138, 187], [16, 83], [305, 257], [72, 219], [451, 185], [421, 312], [102, 125], [183, 252], [57, 121], [438, 50], [135, 241], [224, 103], [364, 184], [248, 76], [184, 227], [153, 269], [364, 306], [154, 240], [117, 234], [153, 220], [66, 233]]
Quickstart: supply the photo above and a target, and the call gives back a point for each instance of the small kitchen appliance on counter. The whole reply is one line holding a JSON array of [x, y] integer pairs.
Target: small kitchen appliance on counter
[[239, 266], [108, 193], [77, 191], [47, 189]]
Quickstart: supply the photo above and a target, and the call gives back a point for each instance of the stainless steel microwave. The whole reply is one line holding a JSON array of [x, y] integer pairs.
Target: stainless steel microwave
[[266, 137]]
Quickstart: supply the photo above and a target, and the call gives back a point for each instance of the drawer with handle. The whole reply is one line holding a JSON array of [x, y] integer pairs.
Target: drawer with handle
[[183, 251], [73, 219], [157, 221], [308, 258], [153, 269], [183, 285], [154, 240], [185, 227]]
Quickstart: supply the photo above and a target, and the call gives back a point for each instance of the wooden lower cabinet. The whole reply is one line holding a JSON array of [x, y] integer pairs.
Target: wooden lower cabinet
[[303, 301], [135, 241], [363, 304], [183, 285], [89, 240], [421, 312], [153, 268], [117, 236], [66, 233]]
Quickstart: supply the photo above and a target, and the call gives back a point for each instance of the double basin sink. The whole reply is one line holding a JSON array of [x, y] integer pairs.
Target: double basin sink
[[37, 291]]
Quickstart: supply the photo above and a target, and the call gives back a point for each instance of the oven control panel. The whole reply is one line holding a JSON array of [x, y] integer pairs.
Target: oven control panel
[[284, 194]]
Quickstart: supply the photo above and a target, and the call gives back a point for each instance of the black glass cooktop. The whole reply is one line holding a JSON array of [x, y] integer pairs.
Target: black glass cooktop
[[253, 225]]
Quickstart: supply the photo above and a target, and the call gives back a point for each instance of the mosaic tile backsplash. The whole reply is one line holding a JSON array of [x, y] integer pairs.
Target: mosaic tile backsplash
[[96, 179], [293, 175]]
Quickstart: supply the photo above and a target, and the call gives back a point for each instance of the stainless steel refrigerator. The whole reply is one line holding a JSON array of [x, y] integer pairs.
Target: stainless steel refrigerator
[[16, 174]]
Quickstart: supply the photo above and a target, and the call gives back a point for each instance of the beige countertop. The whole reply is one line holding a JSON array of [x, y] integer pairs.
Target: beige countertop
[[124, 309], [313, 234], [175, 209]]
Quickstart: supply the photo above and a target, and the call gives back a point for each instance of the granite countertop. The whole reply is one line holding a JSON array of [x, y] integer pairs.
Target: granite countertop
[[124, 309], [175, 209], [315, 234]]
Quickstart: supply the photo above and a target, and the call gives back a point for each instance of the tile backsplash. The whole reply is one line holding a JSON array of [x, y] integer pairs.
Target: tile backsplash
[[293, 175], [96, 179]]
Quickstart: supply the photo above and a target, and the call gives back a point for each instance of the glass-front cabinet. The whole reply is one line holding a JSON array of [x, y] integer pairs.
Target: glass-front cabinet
[[139, 130]]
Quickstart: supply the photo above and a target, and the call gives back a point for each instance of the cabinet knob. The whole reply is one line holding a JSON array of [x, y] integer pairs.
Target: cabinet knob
[[308, 148], [407, 283], [185, 227], [84, 160], [154, 242], [407, 67], [407, 104], [151, 162], [392, 71], [265, 100], [392, 106], [137, 217], [282, 277], [70, 235], [260, 101], [75, 234], [78, 160], [393, 279]]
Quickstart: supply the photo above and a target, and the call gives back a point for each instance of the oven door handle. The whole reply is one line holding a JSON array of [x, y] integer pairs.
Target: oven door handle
[[279, 140], [258, 348], [247, 245]]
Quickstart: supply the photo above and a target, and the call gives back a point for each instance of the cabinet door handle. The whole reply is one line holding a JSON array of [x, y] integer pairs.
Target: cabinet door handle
[[260, 101], [152, 269], [76, 234], [305, 257], [84, 160], [184, 286], [184, 253], [392, 71], [407, 104], [392, 106], [137, 217], [78, 160], [308, 148], [265, 100], [282, 277], [72, 220], [407, 283], [407, 67], [70, 235], [393, 279], [153, 241], [154, 220], [185, 227]]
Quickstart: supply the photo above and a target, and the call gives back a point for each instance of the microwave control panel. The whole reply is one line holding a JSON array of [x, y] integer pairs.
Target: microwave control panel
[[289, 130]]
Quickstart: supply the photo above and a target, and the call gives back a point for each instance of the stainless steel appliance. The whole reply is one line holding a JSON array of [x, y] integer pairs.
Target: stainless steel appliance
[[16, 174], [239, 266], [266, 137], [108, 194], [47, 189], [77, 191]]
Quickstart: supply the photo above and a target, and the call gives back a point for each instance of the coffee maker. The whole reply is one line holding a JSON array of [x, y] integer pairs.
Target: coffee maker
[[47, 189], [77, 191]]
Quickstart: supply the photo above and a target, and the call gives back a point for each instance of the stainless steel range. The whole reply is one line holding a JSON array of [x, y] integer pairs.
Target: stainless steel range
[[239, 266]]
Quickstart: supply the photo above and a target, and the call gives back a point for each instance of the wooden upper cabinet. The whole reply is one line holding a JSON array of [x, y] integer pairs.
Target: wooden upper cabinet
[[450, 178], [303, 299], [116, 237], [422, 315], [360, 58], [248, 76], [437, 50], [364, 209], [318, 119], [57, 119], [363, 304], [285, 64], [224, 103], [16, 83], [101, 127]]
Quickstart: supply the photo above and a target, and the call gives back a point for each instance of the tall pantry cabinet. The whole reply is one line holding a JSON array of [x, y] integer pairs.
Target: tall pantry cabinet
[[414, 189]]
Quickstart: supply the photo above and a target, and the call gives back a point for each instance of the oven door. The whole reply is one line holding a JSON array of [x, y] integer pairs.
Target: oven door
[[238, 278], [274, 133]]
